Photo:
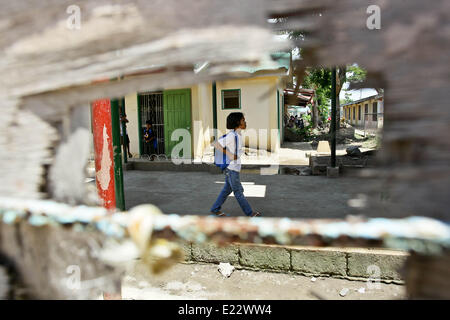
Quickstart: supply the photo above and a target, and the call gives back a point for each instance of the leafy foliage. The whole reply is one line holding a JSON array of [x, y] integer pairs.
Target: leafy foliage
[[347, 98], [319, 79], [355, 73]]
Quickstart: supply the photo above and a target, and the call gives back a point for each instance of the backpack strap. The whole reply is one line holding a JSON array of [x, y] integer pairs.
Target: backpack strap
[[236, 143]]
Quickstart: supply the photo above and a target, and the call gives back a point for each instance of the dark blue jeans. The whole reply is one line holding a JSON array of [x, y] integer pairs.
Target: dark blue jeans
[[232, 184]]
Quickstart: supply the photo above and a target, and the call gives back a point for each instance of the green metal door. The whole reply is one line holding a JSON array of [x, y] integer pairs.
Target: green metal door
[[177, 115]]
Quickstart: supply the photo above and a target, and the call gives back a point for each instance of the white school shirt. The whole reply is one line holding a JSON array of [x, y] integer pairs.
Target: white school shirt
[[229, 141]]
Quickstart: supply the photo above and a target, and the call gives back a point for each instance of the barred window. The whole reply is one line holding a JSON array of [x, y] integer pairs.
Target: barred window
[[231, 99]]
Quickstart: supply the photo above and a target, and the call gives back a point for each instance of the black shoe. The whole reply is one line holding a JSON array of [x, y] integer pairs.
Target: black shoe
[[255, 214]]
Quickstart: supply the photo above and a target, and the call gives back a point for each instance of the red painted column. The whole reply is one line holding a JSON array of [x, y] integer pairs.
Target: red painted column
[[104, 158]]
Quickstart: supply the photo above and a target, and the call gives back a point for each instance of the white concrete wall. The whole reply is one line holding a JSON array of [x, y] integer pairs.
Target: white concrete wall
[[381, 116], [280, 112], [202, 118], [132, 125]]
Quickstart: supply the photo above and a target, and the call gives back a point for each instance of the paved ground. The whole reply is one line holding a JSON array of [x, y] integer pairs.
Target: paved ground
[[199, 281], [273, 195], [290, 153]]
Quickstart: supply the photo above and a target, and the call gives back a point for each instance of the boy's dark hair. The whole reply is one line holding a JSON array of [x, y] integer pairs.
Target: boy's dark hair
[[234, 120], [148, 122]]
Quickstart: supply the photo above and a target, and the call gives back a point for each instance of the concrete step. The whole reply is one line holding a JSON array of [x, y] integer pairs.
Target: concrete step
[[146, 165], [382, 265]]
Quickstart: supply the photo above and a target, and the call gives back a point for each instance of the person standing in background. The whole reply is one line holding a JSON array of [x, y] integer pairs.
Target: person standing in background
[[150, 141], [124, 139]]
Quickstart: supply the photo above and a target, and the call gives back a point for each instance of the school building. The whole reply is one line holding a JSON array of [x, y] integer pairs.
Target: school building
[[365, 113], [256, 91]]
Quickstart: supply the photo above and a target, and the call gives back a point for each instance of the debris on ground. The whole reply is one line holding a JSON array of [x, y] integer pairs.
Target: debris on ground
[[362, 290], [343, 292], [293, 171], [247, 284], [305, 171], [175, 285], [226, 269], [313, 279], [186, 287], [300, 171], [194, 287], [353, 151]]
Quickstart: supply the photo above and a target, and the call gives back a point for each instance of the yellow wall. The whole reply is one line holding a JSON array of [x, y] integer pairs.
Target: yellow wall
[[259, 105], [201, 110], [132, 125], [202, 118], [354, 109]]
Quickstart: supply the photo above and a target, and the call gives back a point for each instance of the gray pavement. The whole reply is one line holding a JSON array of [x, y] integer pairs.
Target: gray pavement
[[273, 195], [199, 282]]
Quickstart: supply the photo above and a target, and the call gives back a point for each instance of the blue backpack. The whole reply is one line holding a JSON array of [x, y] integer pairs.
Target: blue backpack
[[220, 158]]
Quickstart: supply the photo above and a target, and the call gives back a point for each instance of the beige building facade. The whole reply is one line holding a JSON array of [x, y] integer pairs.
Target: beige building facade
[[260, 98], [365, 113]]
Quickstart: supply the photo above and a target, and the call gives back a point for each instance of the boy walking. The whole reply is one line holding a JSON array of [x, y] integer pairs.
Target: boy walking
[[227, 144]]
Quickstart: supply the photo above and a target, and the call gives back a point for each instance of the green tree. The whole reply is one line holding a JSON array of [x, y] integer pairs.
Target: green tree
[[355, 73], [347, 98], [319, 79]]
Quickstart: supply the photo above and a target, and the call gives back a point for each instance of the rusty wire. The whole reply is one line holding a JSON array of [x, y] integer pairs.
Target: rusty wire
[[413, 233]]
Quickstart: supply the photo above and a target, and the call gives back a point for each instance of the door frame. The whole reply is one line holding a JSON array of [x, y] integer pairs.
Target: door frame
[[167, 138]]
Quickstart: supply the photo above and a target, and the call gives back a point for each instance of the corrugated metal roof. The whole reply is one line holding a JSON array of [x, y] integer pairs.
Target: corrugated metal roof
[[363, 99], [274, 61]]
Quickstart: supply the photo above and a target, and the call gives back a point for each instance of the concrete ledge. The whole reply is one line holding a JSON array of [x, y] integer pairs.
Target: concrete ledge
[[344, 263], [265, 257], [146, 165], [212, 253], [319, 261], [370, 264]]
